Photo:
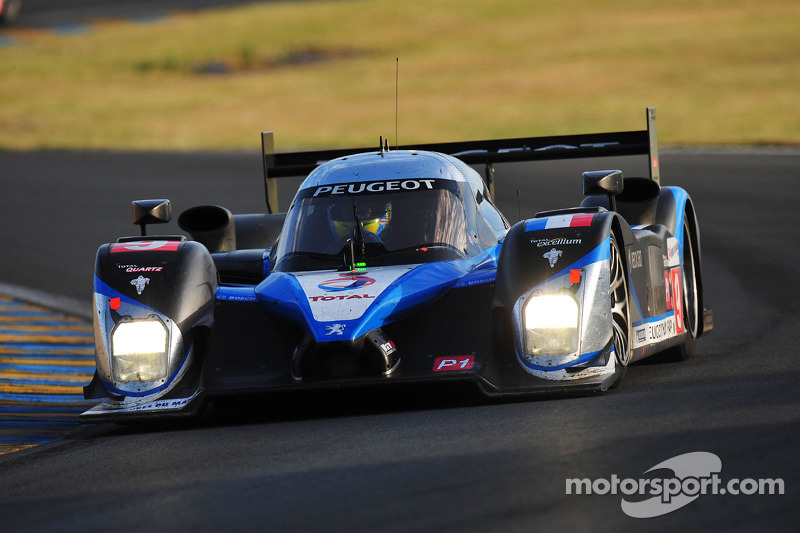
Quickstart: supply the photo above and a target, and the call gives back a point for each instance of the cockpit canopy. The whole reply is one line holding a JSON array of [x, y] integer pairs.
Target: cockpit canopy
[[394, 221], [391, 209]]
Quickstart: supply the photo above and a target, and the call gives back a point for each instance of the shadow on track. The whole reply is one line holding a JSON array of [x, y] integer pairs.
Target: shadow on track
[[295, 406], [320, 404]]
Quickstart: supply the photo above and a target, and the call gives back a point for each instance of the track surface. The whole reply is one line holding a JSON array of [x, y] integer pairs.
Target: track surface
[[430, 461]]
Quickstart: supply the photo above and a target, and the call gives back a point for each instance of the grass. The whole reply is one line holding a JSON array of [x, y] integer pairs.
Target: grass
[[322, 74]]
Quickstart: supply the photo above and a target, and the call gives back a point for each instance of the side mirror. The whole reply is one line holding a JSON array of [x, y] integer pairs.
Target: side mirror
[[603, 182], [151, 212]]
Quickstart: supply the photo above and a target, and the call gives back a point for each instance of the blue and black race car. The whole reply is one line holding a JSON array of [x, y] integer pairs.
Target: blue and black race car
[[394, 266]]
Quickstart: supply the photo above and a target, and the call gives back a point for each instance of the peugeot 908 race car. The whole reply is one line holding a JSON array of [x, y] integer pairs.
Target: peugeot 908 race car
[[394, 266]]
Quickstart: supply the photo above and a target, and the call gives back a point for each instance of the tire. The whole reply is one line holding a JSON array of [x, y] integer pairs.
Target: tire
[[690, 302], [620, 311]]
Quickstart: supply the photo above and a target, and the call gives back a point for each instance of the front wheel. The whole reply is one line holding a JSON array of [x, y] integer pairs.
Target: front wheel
[[620, 311]]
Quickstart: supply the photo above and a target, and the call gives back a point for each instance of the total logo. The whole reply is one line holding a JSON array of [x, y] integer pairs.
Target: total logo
[[346, 283]]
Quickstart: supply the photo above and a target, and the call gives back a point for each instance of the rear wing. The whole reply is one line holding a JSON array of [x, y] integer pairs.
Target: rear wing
[[292, 164]]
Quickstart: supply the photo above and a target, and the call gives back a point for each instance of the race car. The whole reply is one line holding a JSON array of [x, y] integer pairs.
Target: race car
[[395, 266]]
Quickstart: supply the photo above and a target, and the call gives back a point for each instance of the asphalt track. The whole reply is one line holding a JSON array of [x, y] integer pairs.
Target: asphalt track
[[431, 460]]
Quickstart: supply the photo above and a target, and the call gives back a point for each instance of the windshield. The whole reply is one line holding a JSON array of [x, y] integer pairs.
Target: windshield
[[377, 223]]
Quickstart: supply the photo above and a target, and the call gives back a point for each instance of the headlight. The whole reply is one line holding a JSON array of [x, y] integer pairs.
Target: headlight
[[551, 325], [139, 350]]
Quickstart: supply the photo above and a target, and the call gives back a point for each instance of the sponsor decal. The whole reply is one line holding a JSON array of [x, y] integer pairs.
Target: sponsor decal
[[661, 330], [655, 330], [335, 329], [373, 187], [458, 362], [388, 348], [574, 276], [136, 268], [488, 277], [339, 297], [235, 298], [552, 256], [636, 259], [342, 297], [161, 404], [673, 258], [140, 283], [144, 269], [560, 241], [346, 282], [145, 246], [115, 303]]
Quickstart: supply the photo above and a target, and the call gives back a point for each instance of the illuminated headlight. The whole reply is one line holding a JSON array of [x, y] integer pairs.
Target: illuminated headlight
[[551, 325], [140, 350]]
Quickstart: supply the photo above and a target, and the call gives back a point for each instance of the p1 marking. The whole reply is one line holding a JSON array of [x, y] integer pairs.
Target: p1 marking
[[459, 362]]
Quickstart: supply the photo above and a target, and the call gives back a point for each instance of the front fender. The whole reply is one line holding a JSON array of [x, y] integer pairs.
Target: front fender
[[166, 285], [550, 245], [560, 253]]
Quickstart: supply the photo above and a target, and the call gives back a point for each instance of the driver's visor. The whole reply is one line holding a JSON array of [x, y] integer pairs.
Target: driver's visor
[[344, 228]]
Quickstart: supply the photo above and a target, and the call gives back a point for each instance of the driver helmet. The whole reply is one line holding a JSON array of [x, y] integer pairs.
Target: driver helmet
[[374, 217]]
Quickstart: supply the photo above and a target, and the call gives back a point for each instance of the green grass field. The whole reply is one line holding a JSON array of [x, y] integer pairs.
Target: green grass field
[[322, 74]]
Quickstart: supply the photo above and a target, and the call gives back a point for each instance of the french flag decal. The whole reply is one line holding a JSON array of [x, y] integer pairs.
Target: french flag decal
[[560, 221]]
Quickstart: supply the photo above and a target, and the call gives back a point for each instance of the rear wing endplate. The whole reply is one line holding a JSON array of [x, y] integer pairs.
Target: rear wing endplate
[[644, 142]]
